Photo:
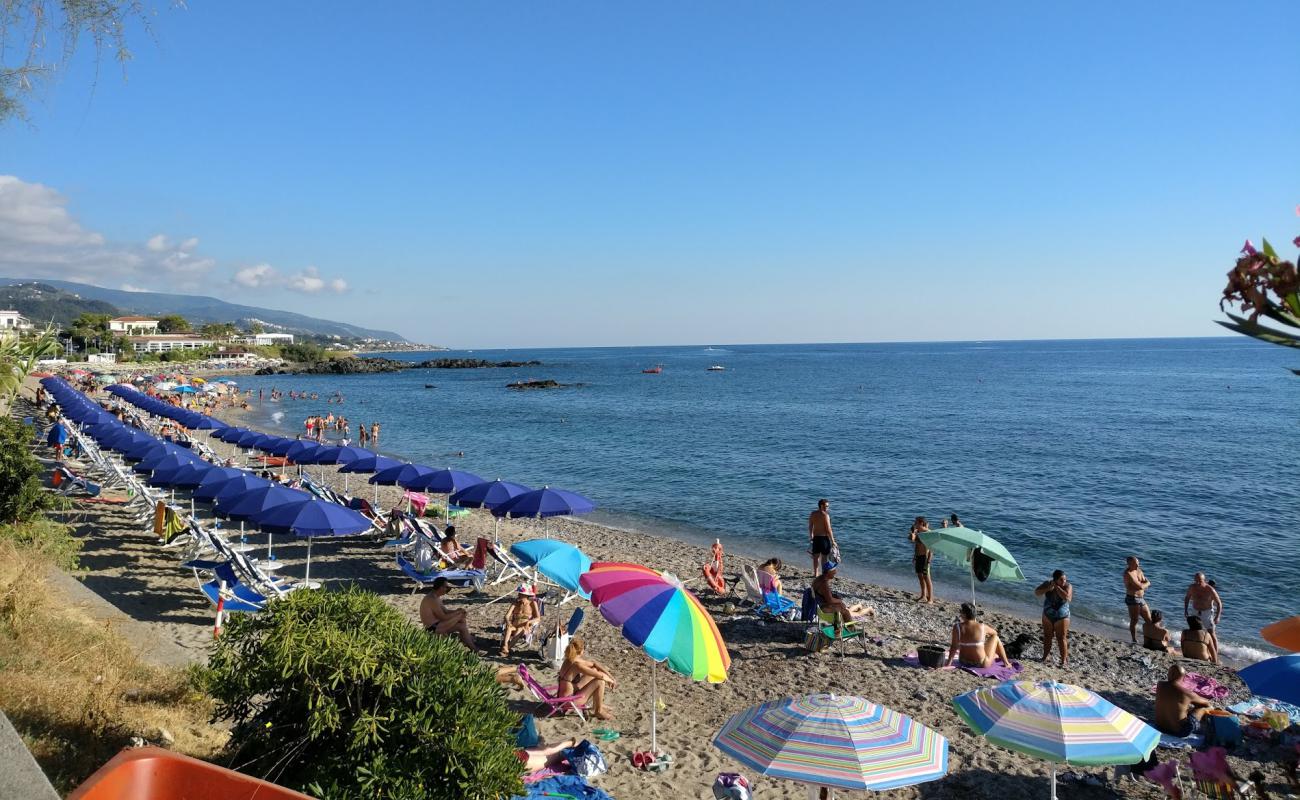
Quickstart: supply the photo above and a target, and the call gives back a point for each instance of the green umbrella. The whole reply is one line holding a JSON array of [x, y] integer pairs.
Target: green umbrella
[[959, 543]]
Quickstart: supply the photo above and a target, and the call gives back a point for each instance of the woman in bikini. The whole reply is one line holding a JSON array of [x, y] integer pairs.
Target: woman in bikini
[[1057, 594], [975, 644], [585, 678], [1154, 634]]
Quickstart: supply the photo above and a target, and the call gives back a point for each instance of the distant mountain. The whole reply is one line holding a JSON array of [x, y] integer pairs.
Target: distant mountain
[[199, 310], [42, 303]]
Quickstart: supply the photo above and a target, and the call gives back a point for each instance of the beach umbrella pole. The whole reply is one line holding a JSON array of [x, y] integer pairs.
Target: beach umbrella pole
[[1053, 782], [972, 580], [654, 711], [307, 577]]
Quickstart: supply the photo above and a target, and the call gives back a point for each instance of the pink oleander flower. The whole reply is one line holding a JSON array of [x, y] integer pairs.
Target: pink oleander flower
[[1248, 249], [1296, 241]]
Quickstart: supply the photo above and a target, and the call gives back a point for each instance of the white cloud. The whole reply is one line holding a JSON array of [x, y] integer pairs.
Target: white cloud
[[307, 281], [39, 238], [126, 287]]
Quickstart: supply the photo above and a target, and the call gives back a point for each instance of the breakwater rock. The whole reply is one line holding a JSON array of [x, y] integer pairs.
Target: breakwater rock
[[367, 366], [542, 384]]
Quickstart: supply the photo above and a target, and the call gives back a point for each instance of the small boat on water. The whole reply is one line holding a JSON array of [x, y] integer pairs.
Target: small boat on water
[[655, 370], [717, 368]]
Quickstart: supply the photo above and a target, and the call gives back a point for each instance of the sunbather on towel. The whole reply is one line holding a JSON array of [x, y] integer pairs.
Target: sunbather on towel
[[535, 758], [436, 618], [586, 678], [1178, 711], [974, 643], [521, 617]]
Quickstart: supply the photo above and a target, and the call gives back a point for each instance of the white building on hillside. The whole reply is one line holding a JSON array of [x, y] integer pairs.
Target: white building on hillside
[[266, 339], [133, 326], [168, 341], [11, 323]]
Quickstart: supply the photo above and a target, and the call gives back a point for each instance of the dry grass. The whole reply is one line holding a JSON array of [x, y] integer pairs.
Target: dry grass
[[75, 688]]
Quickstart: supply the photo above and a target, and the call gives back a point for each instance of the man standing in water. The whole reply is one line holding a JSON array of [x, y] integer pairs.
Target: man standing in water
[[921, 556], [820, 537], [1135, 587], [1205, 600]]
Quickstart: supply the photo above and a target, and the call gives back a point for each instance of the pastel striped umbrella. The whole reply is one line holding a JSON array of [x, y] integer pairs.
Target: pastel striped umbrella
[[1057, 722], [658, 615], [828, 740]]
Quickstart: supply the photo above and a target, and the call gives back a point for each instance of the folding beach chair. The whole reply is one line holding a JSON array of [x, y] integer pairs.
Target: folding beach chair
[[833, 630], [67, 483], [460, 578], [507, 567], [546, 695]]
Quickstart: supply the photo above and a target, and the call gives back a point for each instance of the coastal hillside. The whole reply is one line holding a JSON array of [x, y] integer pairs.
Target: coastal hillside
[[42, 303], [199, 310]]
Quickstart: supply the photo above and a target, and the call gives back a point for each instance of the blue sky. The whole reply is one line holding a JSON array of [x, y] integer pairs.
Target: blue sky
[[490, 174]]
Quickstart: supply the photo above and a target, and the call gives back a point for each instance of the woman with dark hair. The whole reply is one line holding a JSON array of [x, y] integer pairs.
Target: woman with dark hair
[[769, 576], [1056, 593], [1197, 642], [1154, 634], [975, 644]]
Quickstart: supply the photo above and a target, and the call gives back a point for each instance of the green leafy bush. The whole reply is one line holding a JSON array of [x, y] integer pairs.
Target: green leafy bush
[[52, 541], [339, 695], [21, 495]]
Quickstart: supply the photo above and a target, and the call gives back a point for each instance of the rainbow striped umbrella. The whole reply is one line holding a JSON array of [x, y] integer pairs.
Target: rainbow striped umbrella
[[1057, 722], [843, 742], [658, 615]]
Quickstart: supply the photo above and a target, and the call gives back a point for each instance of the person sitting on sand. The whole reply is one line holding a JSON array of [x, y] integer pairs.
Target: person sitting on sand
[[436, 618], [829, 605], [1197, 643], [769, 576], [1057, 594], [1155, 636], [536, 758], [585, 678], [1178, 711], [975, 644], [522, 616], [921, 557]]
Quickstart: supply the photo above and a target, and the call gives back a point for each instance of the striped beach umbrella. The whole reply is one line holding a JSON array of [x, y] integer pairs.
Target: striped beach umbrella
[[658, 615], [1057, 722], [841, 742]]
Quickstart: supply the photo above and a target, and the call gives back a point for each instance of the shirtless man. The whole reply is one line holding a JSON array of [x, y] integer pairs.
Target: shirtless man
[[1205, 599], [921, 557], [820, 537], [436, 618], [829, 604], [1135, 587], [1178, 711]]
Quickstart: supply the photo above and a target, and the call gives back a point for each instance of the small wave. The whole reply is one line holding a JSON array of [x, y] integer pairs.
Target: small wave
[[1243, 654], [277, 417]]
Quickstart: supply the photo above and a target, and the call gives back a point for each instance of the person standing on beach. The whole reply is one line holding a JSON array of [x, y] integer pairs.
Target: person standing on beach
[[1205, 600], [374, 435], [821, 538], [921, 557], [1057, 594], [1135, 587], [363, 434]]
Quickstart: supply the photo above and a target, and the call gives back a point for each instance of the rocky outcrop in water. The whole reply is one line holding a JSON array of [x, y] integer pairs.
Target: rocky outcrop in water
[[542, 384], [367, 366]]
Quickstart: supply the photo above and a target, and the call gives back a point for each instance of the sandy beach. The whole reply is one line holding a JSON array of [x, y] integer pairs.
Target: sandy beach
[[124, 563]]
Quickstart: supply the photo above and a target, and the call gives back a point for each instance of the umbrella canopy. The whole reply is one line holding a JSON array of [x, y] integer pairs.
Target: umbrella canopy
[[167, 468], [446, 481], [545, 502], [402, 475], [489, 494], [661, 617], [234, 488], [559, 561], [1057, 722], [339, 455], [845, 742], [212, 482], [1278, 678], [185, 390], [301, 451], [250, 504], [229, 435], [371, 463], [251, 439], [1284, 634], [959, 542], [190, 475], [312, 519]]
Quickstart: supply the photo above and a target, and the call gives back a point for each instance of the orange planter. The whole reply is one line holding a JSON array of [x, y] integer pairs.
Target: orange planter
[[151, 773]]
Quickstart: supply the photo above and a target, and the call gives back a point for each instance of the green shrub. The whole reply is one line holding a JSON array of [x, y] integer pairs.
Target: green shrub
[[22, 497], [339, 695]]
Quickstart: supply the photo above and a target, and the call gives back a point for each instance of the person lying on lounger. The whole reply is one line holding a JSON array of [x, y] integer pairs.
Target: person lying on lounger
[[438, 619], [974, 643]]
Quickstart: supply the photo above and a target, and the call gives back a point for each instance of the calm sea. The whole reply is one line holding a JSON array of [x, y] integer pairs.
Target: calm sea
[[1073, 453]]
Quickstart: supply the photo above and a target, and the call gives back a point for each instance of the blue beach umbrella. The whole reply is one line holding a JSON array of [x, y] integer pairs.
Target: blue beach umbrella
[[236, 487], [404, 475], [142, 449], [159, 456], [545, 502], [185, 390], [312, 519], [371, 463], [126, 438], [251, 504], [166, 467], [489, 494], [340, 455], [300, 452], [280, 446], [446, 482], [207, 488], [230, 434], [251, 439], [188, 476], [1278, 678], [559, 561]]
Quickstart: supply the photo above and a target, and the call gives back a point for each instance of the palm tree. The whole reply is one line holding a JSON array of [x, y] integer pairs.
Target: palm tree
[[18, 358]]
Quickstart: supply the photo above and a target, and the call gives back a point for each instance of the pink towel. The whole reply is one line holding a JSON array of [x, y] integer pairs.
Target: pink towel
[[997, 670], [1204, 686]]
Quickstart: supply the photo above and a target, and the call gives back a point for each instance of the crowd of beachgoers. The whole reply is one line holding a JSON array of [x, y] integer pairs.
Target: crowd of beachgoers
[[865, 640]]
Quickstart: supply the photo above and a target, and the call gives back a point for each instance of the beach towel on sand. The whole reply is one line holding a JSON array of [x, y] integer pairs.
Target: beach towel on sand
[[564, 785], [1202, 686], [998, 670]]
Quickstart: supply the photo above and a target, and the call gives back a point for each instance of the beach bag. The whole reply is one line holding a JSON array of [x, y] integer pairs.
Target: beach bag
[[980, 564], [813, 641], [423, 556], [586, 759], [526, 736], [1221, 730], [731, 786], [808, 607], [554, 644]]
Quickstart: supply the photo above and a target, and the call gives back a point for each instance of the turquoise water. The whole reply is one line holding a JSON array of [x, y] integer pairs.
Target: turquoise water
[[1073, 453]]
